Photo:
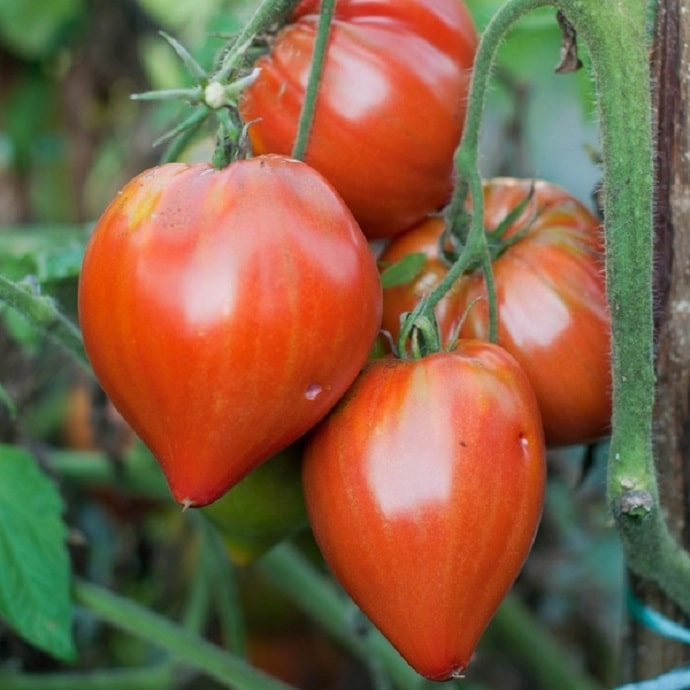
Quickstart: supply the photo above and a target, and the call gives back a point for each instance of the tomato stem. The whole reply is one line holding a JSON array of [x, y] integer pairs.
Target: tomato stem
[[42, 312], [467, 227], [266, 14], [615, 34], [184, 646], [306, 116], [160, 676]]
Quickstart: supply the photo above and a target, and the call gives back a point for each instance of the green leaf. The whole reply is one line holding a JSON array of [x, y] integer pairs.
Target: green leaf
[[47, 252], [403, 271], [34, 564]]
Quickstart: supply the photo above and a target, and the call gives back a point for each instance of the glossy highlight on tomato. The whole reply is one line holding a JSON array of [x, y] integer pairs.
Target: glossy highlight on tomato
[[551, 293], [391, 103], [225, 312], [424, 487]]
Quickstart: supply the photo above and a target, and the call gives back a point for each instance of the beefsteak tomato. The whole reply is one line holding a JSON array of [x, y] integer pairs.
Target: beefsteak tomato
[[552, 310], [390, 108], [225, 312], [424, 488]]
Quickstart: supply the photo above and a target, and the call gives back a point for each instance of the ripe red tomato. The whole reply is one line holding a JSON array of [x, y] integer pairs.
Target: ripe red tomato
[[391, 104], [424, 487], [553, 313], [225, 312]]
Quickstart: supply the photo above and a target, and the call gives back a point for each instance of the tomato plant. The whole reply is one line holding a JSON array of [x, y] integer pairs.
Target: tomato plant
[[390, 107], [552, 310], [424, 488], [225, 312]]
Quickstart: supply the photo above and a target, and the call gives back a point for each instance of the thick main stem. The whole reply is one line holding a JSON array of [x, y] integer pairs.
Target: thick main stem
[[615, 34]]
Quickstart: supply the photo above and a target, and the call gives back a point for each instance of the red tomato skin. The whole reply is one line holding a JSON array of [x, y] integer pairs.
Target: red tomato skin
[[391, 104], [424, 488], [551, 292], [225, 312]]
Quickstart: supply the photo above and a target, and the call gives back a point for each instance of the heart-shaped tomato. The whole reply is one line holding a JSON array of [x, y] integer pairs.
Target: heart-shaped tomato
[[225, 312], [424, 488]]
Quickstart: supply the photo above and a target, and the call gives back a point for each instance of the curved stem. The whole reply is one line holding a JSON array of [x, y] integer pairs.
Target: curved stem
[[42, 312], [469, 228], [268, 12], [183, 646], [306, 116], [615, 34], [466, 156]]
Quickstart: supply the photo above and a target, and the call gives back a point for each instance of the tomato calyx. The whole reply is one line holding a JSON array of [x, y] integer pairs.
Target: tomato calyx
[[419, 333], [215, 94], [453, 239], [463, 252]]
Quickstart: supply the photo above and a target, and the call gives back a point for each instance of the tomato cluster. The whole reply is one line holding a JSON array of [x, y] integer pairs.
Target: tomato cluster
[[230, 312]]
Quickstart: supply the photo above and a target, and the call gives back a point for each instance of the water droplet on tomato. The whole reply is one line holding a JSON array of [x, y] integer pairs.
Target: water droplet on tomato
[[313, 391]]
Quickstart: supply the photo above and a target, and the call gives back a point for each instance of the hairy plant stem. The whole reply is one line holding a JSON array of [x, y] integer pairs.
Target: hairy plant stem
[[469, 227], [306, 116], [267, 13], [615, 34], [42, 312]]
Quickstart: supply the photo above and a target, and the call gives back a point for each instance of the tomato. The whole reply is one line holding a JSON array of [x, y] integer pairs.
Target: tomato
[[225, 312], [266, 507], [424, 488], [391, 104], [550, 287]]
